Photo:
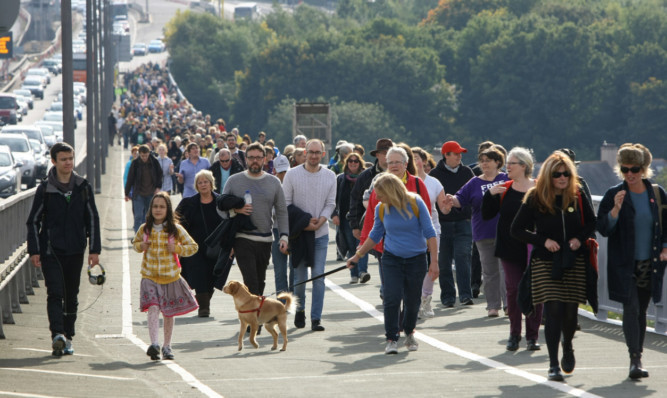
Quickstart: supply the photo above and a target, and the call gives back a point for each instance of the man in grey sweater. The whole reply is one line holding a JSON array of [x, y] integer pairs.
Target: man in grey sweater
[[253, 248], [312, 188]]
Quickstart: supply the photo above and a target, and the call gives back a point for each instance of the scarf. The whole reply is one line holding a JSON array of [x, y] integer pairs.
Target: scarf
[[65, 188], [351, 177]]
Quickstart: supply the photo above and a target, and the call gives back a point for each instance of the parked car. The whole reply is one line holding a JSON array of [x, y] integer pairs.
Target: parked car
[[36, 86], [41, 161], [23, 108], [156, 46], [139, 49], [43, 72], [56, 126], [25, 94], [32, 132], [53, 65], [22, 151], [10, 173], [49, 134], [80, 90], [9, 109]]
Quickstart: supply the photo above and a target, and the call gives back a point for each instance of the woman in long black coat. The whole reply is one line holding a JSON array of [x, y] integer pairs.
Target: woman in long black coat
[[199, 215]]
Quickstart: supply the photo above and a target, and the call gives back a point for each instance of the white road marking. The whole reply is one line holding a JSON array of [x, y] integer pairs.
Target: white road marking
[[18, 394], [127, 306], [55, 372], [48, 351], [372, 311]]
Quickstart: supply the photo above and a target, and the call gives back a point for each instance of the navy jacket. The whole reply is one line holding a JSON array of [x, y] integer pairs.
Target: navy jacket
[[134, 175], [621, 243], [67, 225]]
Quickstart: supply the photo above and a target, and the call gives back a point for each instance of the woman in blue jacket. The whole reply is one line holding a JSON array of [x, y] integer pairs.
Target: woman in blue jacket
[[637, 247]]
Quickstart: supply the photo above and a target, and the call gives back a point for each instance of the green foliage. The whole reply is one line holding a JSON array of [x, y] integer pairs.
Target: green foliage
[[538, 73]]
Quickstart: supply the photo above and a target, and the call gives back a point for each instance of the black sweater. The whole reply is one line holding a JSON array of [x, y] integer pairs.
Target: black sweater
[[452, 182], [507, 247]]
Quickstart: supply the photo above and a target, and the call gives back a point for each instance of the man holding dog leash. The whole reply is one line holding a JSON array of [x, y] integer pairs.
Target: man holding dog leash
[[63, 217]]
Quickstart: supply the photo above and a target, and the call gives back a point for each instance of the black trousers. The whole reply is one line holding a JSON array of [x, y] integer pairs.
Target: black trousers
[[634, 318], [253, 259], [62, 276]]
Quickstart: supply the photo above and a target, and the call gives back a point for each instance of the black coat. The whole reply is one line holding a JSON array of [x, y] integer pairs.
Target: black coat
[[357, 209], [621, 243], [134, 175], [217, 173], [301, 243]]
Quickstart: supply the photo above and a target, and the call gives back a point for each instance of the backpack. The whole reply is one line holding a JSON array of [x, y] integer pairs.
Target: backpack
[[413, 204]]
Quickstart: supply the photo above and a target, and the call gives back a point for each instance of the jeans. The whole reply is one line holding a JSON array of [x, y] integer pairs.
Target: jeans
[[140, 205], [62, 276], [634, 317], [280, 265], [455, 244], [352, 243], [403, 279], [301, 274]]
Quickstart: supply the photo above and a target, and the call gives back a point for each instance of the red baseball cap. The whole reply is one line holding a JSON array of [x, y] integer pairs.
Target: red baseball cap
[[452, 146]]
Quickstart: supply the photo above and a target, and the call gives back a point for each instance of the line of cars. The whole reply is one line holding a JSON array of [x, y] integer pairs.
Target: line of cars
[[155, 46]]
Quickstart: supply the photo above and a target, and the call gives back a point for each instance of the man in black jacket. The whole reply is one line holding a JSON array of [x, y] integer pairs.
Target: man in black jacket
[[456, 231], [225, 167], [62, 221], [144, 179]]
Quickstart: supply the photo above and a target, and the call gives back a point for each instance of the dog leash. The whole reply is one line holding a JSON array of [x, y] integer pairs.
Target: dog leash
[[333, 271]]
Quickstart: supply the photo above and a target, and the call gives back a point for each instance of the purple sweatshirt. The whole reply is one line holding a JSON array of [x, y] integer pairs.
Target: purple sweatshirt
[[472, 194]]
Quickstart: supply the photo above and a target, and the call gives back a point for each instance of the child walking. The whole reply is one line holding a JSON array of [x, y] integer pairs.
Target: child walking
[[161, 239]]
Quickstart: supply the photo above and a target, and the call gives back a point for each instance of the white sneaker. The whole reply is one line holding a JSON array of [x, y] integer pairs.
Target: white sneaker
[[354, 280], [364, 277], [68, 350], [411, 343], [425, 310], [391, 348]]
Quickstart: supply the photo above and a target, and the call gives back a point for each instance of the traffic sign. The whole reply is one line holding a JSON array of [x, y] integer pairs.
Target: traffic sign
[[6, 45]]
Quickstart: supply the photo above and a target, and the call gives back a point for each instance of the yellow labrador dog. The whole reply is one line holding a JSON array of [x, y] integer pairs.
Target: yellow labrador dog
[[256, 310]]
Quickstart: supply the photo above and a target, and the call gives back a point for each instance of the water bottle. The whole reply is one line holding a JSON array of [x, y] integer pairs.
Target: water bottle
[[247, 198]]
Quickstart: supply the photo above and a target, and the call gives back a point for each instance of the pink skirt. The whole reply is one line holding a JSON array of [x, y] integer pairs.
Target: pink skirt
[[173, 298]]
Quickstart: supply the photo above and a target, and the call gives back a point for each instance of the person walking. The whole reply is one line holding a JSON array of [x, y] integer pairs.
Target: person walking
[[262, 193], [225, 167], [484, 231], [556, 224], [189, 168], [630, 216], [278, 257], [63, 220], [144, 179], [504, 201], [167, 167], [456, 231], [162, 240], [403, 222], [199, 216], [312, 188]]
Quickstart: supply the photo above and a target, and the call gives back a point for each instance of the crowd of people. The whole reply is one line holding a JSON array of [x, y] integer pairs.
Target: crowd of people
[[489, 226]]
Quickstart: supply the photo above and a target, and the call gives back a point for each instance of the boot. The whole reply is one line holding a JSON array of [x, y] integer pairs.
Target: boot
[[300, 319], [204, 301], [636, 370]]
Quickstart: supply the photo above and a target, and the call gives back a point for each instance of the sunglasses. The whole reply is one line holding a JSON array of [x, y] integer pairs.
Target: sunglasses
[[225, 160], [353, 161], [633, 169], [559, 174]]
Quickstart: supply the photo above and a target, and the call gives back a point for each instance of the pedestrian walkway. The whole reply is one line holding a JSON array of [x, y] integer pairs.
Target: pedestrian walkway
[[461, 353]]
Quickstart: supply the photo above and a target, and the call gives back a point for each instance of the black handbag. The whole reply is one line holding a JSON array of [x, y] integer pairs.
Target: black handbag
[[212, 252], [525, 295]]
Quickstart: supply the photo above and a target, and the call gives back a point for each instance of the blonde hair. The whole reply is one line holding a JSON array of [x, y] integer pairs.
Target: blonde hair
[[543, 194], [634, 154], [393, 193], [207, 174]]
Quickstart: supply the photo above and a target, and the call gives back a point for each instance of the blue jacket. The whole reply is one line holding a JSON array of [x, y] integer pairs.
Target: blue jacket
[[621, 244]]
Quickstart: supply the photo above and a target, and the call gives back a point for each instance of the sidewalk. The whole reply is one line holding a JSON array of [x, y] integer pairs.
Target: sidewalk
[[461, 354]]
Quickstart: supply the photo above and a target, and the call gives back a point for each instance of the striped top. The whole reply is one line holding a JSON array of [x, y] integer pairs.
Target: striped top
[[158, 264]]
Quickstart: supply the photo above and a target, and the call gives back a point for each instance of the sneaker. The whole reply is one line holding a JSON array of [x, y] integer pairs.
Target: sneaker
[[411, 343], [493, 313], [555, 374], [68, 350], [354, 280], [533, 345], [425, 310], [154, 352], [166, 353], [467, 302], [448, 304], [315, 326], [364, 277], [58, 345], [391, 348]]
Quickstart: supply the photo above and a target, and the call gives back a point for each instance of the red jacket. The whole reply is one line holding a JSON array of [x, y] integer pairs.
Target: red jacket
[[369, 219]]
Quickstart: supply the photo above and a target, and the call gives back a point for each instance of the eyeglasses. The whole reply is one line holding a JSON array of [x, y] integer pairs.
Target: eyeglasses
[[316, 153], [255, 158], [486, 160], [396, 163], [633, 169], [225, 160], [513, 163], [559, 174], [353, 161]]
